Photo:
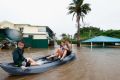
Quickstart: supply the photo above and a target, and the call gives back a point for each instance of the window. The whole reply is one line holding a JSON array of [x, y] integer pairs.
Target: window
[[41, 30], [21, 29]]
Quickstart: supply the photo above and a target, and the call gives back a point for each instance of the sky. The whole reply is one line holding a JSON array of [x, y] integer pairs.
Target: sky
[[105, 14]]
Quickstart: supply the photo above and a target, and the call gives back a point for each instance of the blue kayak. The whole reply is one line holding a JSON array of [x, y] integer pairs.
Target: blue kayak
[[47, 64]]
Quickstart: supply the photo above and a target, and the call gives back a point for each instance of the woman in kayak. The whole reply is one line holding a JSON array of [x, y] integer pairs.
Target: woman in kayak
[[19, 59], [59, 51], [68, 49]]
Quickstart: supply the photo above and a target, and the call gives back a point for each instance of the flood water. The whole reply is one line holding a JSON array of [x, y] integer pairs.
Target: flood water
[[95, 64]]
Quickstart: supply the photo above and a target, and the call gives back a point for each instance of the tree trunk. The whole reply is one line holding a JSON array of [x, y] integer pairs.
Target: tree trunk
[[78, 30]]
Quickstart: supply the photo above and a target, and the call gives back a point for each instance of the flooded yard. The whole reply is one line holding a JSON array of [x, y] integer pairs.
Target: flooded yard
[[95, 64]]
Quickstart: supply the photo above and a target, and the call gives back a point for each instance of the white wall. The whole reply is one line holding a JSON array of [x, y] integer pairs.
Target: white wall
[[38, 32], [25, 35], [34, 29], [30, 29], [6, 24], [41, 29], [40, 37]]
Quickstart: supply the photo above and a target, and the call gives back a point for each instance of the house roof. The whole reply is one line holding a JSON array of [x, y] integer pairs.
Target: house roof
[[102, 39]]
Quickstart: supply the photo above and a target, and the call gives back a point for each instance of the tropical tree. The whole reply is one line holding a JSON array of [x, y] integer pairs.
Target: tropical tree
[[63, 35], [80, 9]]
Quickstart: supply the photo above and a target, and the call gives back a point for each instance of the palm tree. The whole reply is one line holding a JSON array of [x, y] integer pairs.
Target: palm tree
[[80, 9]]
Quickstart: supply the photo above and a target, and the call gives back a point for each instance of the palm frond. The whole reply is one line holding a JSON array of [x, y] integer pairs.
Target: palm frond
[[71, 3], [70, 12], [82, 17], [85, 8], [73, 15], [80, 2], [74, 1], [71, 8], [77, 7]]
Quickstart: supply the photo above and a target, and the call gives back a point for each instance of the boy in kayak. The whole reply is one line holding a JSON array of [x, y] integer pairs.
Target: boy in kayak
[[19, 59]]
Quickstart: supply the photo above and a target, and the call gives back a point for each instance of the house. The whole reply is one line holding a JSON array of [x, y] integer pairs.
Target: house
[[33, 35]]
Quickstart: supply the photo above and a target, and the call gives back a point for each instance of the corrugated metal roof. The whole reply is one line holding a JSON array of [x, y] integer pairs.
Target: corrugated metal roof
[[102, 39]]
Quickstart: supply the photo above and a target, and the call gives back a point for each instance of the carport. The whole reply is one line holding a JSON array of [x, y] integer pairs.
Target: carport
[[102, 39]]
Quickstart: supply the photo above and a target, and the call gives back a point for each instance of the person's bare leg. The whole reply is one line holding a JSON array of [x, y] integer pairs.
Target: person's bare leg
[[64, 54], [56, 54], [60, 53], [52, 56], [32, 62]]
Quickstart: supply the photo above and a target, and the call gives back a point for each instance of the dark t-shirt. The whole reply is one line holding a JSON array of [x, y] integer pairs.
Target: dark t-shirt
[[18, 57]]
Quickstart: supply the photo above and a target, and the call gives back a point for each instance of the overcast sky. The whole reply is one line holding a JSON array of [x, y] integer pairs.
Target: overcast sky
[[105, 14]]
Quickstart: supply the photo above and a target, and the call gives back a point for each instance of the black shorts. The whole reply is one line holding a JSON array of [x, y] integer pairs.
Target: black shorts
[[27, 63], [68, 52]]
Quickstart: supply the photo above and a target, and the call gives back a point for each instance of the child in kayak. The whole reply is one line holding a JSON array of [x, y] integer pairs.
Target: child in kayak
[[68, 49], [59, 51], [18, 58]]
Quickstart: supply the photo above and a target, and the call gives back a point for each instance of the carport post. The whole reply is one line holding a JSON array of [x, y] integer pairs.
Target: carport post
[[91, 45], [103, 44]]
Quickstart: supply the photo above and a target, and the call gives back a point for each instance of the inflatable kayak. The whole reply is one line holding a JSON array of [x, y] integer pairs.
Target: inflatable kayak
[[46, 65]]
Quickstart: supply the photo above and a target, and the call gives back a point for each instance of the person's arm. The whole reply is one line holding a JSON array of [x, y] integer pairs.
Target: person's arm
[[16, 57], [70, 47], [23, 58], [66, 47]]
